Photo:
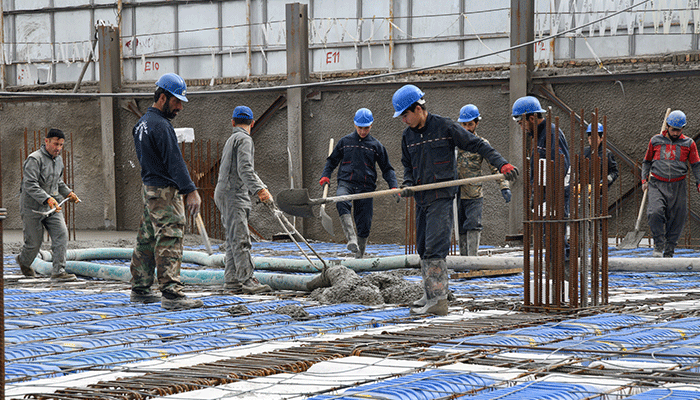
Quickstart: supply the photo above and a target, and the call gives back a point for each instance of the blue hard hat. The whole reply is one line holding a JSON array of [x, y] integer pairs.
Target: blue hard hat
[[469, 113], [242, 112], [590, 128], [174, 84], [676, 119], [527, 105], [404, 97], [363, 117]]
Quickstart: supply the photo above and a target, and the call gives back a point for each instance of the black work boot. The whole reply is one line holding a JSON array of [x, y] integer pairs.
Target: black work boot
[[26, 271], [144, 296], [172, 300]]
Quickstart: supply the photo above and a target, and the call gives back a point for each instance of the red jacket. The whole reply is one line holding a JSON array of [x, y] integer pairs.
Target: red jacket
[[666, 159]]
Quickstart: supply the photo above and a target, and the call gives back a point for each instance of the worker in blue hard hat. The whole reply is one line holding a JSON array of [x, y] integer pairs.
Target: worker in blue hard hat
[[358, 155], [613, 171], [428, 156], [530, 115], [471, 195], [663, 174], [166, 181]]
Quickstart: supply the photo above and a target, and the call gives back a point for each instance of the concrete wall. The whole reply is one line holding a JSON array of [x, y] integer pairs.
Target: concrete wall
[[634, 115]]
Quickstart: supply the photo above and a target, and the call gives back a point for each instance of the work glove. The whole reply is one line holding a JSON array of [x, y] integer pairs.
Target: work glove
[[506, 195], [698, 187], [324, 181], [53, 204], [73, 197], [397, 196], [509, 171], [265, 196], [407, 191], [645, 184], [610, 180]]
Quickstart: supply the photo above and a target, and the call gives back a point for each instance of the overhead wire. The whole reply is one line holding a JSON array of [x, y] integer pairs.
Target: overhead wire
[[338, 81]]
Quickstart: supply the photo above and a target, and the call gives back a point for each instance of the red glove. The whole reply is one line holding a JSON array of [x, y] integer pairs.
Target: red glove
[[698, 187], [324, 181], [265, 196], [509, 171]]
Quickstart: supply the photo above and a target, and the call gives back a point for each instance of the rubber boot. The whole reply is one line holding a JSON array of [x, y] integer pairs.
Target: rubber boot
[[349, 230], [434, 306], [435, 282], [473, 238], [421, 302], [361, 244], [463, 245], [60, 275]]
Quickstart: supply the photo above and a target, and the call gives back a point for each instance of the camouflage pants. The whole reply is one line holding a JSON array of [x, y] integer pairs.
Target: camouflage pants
[[435, 280], [159, 241]]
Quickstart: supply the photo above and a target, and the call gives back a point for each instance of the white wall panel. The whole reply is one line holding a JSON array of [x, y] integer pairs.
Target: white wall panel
[[234, 20], [430, 22], [198, 67], [197, 24], [153, 68], [427, 54], [473, 48], [155, 31], [277, 63], [602, 47], [33, 37], [235, 65], [375, 57], [375, 25], [31, 4]]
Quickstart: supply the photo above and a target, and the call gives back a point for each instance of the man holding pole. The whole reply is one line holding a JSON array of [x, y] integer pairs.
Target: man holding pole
[[358, 154], [428, 156]]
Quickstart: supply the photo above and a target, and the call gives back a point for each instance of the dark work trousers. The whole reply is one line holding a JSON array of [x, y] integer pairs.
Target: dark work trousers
[[469, 215], [667, 211], [363, 210], [434, 229]]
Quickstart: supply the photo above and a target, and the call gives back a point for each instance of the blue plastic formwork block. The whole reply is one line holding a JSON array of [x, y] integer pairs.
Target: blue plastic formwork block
[[332, 324], [193, 315], [664, 394], [30, 351], [111, 325], [687, 326], [538, 390], [271, 305], [19, 372], [171, 348], [123, 339], [427, 385], [606, 322], [29, 335], [333, 309], [253, 320], [641, 337], [482, 341], [97, 359], [283, 332], [585, 347]]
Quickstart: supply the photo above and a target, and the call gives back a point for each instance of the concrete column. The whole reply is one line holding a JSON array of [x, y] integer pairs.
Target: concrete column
[[110, 82], [522, 30], [297, 73]]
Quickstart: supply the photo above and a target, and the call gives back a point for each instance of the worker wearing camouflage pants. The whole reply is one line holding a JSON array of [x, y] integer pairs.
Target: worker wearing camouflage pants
[[159, 241]]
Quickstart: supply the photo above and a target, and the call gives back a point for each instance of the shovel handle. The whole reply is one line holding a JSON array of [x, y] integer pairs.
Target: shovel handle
[[330, 151], [638, 224], [418, 188]]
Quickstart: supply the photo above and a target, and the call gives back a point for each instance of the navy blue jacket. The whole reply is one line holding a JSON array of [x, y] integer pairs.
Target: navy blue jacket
[[357, 158], [159, 154], [428, 155], [542, 147]]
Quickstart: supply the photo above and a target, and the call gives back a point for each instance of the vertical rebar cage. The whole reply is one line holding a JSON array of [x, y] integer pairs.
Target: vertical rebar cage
[[565, 208]]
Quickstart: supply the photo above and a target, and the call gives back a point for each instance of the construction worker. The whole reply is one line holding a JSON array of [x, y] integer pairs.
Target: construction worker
[[358, 154], [663, 174], [471, 195], [530, 115], [237, 179], [613, 172], [428, 156], [42, 187], [165, 182]]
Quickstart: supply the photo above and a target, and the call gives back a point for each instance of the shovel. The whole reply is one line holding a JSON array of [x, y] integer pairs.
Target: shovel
[[297, 201], [632, 239], [326, 220], [203, 232]]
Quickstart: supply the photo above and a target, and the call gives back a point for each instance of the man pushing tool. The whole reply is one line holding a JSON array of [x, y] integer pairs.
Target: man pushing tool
[[428, 155], [359, 153]]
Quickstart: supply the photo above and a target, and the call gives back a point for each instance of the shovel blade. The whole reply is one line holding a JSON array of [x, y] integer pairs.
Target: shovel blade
[[295, 202], [631, 240], [326, 220]]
